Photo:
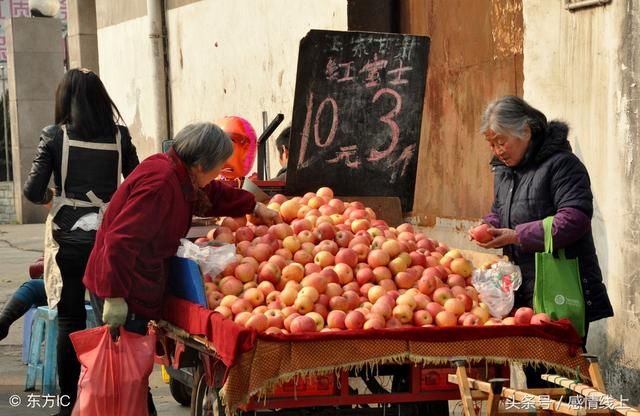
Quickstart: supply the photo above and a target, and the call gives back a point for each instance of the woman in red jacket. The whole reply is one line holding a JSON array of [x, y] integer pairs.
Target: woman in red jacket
[[149, 214]]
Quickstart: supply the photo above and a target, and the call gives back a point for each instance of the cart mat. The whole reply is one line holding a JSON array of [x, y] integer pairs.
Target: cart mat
[[259, 362]]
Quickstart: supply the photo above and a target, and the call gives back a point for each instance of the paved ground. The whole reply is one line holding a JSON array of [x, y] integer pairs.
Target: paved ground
[[20, 245]]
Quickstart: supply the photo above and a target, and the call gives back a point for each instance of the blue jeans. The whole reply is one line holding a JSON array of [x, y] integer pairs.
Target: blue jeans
[[32, 293]]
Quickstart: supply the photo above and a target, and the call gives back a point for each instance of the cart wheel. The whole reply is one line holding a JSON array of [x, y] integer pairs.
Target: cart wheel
[[180, 392], [204, 399]]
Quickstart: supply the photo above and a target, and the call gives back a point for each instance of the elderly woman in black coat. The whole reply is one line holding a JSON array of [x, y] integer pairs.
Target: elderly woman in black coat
[[536, 176]]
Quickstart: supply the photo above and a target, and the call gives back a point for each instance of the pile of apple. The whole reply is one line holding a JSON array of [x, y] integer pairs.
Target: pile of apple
[[332, 265]]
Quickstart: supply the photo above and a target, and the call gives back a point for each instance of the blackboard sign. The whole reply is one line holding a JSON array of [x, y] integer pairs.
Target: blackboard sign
[[357, 114]]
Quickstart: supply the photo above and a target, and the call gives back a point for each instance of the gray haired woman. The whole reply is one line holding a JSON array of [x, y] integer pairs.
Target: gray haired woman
[[537, 175], [147, 217]]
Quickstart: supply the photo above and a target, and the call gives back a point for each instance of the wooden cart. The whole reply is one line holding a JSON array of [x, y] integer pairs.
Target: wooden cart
[[573, 397]]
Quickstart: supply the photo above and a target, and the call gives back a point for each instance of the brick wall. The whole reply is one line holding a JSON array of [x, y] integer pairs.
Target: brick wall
[[7, 203]]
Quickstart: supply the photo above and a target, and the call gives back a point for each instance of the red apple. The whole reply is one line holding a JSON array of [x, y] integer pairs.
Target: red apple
[[303, 257], [461, 266], [374, 322], [293, 271], [481, 313], [404, 280], [383, 309], [224, 311], [259, 322], [446, 319], [344, 272], [403, 313], [481, 233], [434, 308], [382, 273], [343, 238], [354, 320], [254, 296], [269, 272], [394, 323], [466, 300], [339, 303], [455, 306], [347, 256], [311, 268], [303, 304], [427, 284], [242, 318], [324, 259], [392, 248], [316, 281], [375, 293], [422, 317], [288, 296], [389, 285], [214, 298], [318, 319], [325, 231], [407, 299], [336, 319], [231, 286], [275, 318], [456, 280], [471, 320], [241, 305], [306, 236], [365, 275], [540, 318], [442, 294], [523, 316], [302, 324]]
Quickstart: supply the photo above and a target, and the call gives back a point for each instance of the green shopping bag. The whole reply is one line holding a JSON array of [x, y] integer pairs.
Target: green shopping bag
[[558, 291]]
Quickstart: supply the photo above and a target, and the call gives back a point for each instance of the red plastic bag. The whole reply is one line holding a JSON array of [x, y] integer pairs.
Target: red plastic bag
[[114, 378]]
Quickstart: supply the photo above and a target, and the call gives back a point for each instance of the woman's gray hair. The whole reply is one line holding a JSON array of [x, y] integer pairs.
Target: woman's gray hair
[[203, 144], [509, 115]]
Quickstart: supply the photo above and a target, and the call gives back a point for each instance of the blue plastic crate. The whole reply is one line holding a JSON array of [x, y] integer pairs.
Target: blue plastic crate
[[185, 281]]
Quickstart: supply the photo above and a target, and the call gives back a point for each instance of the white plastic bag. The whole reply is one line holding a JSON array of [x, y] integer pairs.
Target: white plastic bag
[[496, 286], [212, 260]]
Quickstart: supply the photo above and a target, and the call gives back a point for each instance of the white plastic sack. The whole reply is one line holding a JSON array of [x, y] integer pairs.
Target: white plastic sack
[[212, 260], [496, 286]]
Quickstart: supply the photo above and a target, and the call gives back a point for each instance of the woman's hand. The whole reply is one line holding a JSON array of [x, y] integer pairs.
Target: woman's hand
[[268, 216], [501, 237]]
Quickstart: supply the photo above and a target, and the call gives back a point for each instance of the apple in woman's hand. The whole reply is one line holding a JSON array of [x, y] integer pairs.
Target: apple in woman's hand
[[481, 233]]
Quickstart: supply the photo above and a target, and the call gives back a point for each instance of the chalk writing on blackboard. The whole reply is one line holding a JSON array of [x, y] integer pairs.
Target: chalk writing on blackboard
[[357, 113]]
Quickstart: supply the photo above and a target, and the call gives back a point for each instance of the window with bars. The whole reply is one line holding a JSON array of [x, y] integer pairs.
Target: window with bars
[[573, 5]]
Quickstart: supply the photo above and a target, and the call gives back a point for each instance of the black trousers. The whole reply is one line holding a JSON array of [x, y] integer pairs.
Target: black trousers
[[72, 316]]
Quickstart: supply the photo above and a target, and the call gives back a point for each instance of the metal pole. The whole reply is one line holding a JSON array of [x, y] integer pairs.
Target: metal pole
[[4, 119]]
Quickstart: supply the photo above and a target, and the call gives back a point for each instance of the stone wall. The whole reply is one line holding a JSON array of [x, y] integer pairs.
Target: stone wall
[[7, 203]]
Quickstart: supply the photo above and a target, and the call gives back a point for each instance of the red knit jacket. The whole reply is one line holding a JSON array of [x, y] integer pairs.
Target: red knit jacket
[[142, 227]]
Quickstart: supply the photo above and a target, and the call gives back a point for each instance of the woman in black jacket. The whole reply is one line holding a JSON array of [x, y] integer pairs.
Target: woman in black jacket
[[87, 152], [537, 175]]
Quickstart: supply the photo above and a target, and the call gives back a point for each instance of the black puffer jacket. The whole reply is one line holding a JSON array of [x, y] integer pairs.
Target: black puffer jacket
[[550, 177], [87, 170]]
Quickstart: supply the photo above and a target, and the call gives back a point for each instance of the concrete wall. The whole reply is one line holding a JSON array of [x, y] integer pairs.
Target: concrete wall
[[35, 63], [82, 40], [225, 58], [582, 67], [124, 50]]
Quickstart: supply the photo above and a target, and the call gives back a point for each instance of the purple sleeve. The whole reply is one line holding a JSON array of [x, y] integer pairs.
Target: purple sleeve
[[492, 219], [569, 225]]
